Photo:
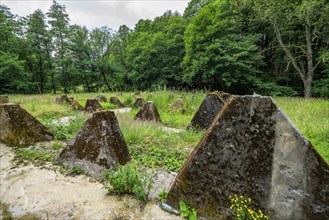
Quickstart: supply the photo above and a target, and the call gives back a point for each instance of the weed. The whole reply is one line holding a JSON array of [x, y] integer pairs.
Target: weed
[[36, 156], [109, 106], [57, 145], [186, 211], [76, 171], [162, 195], [128, 100], [241, 209], [66, 131], [128, 180]]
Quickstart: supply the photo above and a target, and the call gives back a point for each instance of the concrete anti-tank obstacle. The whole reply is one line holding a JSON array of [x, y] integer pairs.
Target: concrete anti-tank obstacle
[[98, 145], [138, 103], [178, 105], [253, 149], [101, 98], [76, 106], [3, 99], [117, 102], [63, 99], [92, 105], [148, 112], [208, 110], [20, 128]]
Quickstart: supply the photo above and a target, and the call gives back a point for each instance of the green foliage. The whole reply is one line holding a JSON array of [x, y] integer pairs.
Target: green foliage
[[158, 155], [66, 131], [162, 195], [273, 89], [128, 179], [36, 155], [217, 53], [128, 100], [12, 75], [316, 129], [242, 210], [76, 170], [321, 88], [57, 145], [186, 211]]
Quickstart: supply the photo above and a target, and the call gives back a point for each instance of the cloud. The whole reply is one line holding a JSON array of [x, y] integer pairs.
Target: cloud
[[99, 13]]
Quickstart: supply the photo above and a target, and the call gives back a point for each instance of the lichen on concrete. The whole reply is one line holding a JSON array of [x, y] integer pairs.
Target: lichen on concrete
[[117, 102], [138, 103], [3, 99], [149, 112], [208, 110], [253, 149], [20, 128], [92, 105], [98, 145]]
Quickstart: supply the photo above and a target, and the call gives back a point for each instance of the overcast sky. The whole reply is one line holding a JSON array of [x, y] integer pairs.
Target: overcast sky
[[97, 13]]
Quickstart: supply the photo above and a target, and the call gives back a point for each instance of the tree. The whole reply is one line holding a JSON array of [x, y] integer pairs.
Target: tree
[[155, 51], [39, 41], [59, 21], [307, 18], [101, 44], [219, 54]]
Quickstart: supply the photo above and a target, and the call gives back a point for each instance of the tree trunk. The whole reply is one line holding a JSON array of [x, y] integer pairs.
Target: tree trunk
[[104, 78], [307, 78], [309, 57], [53, 85]]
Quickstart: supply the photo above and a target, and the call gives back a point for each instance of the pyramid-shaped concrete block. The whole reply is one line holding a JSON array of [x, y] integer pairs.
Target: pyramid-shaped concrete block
[[92, 105], [3, 99], [117, 102], [76, 106], [98, 145], [207, 111], [20, 128], [149, 112], [139, 103], [177, 106], [253, 149], [101, 98], [63, 99]]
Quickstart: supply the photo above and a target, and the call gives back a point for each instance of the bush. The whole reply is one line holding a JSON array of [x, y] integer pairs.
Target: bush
[[128, 180], [321, 88]]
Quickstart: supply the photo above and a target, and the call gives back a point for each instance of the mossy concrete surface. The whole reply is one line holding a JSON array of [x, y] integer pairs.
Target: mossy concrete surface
[[208, 110], [139, 103], [148, 112], [3, 99], [117, 102], [20, 128], [98, 145], [253, 149], [92, 105]]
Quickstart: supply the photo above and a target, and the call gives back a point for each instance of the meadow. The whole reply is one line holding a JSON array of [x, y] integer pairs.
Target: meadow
[[149, 144]]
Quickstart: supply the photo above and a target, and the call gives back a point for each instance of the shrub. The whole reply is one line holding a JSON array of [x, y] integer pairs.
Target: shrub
[[128, 180]]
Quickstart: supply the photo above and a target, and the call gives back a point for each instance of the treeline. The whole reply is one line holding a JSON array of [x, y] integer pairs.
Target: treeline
[[274, 47]]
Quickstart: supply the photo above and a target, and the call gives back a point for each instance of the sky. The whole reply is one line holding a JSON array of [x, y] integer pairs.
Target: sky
[[97, 13]]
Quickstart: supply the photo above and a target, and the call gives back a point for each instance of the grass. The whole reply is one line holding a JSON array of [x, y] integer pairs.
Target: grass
[[37, 155], [311, 116], [151, 146], [149, 140]]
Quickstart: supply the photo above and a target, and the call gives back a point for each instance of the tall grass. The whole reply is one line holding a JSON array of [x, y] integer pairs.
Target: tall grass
[[311, 116]]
